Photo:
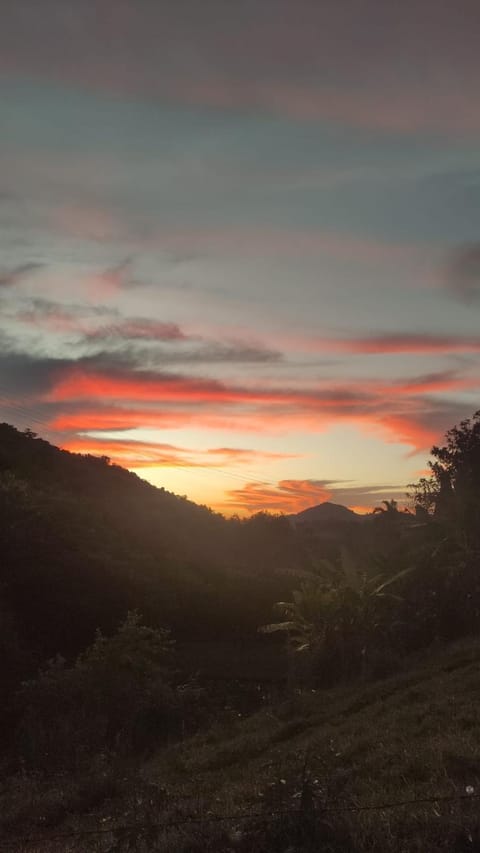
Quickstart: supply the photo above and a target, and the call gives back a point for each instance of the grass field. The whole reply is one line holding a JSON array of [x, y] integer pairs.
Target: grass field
[[295, 776]]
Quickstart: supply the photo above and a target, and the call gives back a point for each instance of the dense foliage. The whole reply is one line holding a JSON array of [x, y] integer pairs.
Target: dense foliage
[[420, 585]]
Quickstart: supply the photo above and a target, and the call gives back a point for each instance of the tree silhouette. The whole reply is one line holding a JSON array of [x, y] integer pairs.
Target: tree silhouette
[[389, 508], [452, 492]]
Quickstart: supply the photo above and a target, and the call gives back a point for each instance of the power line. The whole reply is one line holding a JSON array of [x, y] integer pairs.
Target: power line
[[247, 478], [25, 414]]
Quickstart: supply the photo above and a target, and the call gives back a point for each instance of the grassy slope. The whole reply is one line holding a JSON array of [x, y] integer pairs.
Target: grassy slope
[[413, 735], [410, 736]]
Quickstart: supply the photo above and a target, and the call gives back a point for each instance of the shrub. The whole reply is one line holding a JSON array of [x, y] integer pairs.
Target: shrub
[[115, 697]]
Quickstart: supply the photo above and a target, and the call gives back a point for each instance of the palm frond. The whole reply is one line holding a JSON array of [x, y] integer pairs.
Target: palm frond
[[403, 573], [275, 627]]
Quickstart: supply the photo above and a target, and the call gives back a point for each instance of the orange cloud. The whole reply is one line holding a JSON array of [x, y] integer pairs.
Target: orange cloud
[[431, 383], [290, 496], [140, 454], [236, 454], [123, 418], [402, 411], [352, 398], [404, 429], [80, 384], [131, 454], [115, 418]]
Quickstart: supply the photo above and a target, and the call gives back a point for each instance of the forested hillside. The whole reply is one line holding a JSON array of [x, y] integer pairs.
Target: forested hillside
[[124, 608], [90, 540]]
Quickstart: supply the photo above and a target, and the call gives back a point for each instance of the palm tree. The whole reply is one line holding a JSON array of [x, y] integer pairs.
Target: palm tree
[[389, 508]]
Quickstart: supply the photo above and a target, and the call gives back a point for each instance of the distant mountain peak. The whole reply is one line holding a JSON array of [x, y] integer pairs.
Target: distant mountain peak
[[324, 513]]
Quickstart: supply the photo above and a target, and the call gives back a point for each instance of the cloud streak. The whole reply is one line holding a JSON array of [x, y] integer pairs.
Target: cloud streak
[[118, 341], [141, 454], [399, 343], [289, 496], [13, 276], [88, 383], [409, 411], [136, 329], [196, 56], [111, 389], [293, 496]]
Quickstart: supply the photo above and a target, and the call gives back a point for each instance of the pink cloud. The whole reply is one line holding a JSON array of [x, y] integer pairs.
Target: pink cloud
[[396, 343], [403, 411], [110, 280]]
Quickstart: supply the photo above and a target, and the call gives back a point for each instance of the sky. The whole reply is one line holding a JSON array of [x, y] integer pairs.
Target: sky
[[240, 241]]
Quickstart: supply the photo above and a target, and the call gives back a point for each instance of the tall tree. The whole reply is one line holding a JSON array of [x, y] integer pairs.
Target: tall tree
[[452, 492]]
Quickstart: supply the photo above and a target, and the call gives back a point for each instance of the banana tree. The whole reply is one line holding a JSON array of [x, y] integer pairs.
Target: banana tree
[[339, 612]]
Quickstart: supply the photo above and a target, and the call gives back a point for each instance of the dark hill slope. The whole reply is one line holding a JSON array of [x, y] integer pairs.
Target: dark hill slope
[[115, 492], [153, 516], [82, 541]]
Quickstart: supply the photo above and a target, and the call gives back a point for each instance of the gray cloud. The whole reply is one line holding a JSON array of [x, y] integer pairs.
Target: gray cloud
[[16, 274], [208, 352], [139, 328], [40, 308], [235, 352], [464, 272], [194, 51], [142, 342], [188, 349], [25, 374]]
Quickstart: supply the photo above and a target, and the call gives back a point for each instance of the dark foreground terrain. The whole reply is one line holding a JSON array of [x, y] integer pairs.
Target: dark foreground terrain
[[390, 766], [174, 681]]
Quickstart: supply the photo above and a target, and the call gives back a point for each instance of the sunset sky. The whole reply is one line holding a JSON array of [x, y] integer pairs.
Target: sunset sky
[[240, 241]]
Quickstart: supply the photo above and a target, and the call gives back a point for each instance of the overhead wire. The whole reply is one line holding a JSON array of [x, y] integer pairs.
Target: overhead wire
[[25, 413], [236, 817]]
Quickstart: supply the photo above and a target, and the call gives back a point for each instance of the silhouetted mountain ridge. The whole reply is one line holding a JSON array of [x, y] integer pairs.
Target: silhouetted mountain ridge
[[82, 541], [326, 513]]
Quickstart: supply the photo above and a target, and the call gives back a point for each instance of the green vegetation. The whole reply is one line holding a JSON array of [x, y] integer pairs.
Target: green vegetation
[[362, 692]]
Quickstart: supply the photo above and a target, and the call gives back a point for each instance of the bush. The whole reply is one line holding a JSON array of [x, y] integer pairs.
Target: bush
[[116, 697]]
